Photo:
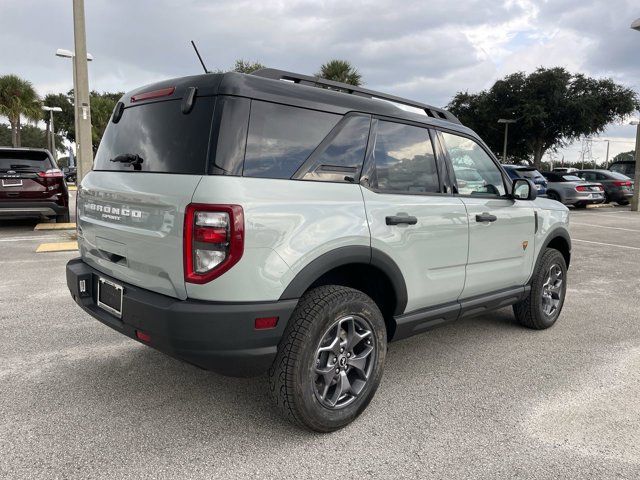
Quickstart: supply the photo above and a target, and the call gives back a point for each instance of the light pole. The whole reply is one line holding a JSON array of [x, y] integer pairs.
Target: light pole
[[51, 140], [636, 180], [636, 184], [506, 134], [63, 53]]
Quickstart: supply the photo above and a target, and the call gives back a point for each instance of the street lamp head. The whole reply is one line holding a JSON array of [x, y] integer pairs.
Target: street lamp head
[[634, 122], [636, 25], [506, 120], [61, 52]]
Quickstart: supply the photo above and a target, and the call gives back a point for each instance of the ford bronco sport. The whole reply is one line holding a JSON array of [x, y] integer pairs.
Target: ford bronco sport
[[253, 223]]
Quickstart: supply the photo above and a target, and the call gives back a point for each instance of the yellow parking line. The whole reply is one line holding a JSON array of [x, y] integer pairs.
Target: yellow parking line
[[72, 188], [57, 247], [55, 226]]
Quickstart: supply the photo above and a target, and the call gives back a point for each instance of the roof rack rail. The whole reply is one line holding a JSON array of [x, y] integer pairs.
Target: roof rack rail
[[308, 80]]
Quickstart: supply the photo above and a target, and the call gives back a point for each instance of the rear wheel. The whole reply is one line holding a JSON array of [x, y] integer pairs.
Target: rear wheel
[[553, 196], [580, 205], [548, 288], [63, 218], [623, 202], [330, 359]]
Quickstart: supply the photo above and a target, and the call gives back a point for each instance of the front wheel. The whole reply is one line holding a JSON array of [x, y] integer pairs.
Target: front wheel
[[330, 360], [542, 307]]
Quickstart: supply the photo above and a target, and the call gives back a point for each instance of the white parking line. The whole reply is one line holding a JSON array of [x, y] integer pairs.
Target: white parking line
[[605, 244], [603, 226], [24, 239]]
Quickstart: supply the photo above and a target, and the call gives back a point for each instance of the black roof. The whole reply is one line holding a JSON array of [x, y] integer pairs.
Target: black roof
[[279, 87]]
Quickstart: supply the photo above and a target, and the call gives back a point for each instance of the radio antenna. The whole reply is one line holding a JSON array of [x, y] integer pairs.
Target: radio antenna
[[199, 57]]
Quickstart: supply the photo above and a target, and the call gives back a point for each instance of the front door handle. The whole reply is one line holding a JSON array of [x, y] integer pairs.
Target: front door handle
[[485, 217], [399, 220]]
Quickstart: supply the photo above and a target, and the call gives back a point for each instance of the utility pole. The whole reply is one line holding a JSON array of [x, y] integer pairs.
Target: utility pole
[[506, 134], [83, 111], [606, 162], [636, 183]]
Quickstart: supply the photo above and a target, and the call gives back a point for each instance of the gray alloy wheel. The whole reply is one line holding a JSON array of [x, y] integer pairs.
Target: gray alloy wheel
[[542, 306], [552, 290], [330, 360], [343, 361]]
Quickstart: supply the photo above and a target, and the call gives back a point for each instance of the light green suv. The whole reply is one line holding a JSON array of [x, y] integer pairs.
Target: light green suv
[[258, 223]]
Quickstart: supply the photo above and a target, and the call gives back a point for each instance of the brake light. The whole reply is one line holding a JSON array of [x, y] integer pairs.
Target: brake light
[[53, 173], [622, 183], [213, 240], [581, 188], [163, 92]]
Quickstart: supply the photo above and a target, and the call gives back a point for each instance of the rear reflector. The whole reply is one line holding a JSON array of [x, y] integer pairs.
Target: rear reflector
[[266, 323], [163, 92], [143, 337]]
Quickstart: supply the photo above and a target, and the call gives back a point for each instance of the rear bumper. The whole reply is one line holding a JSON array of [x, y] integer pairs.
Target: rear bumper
[[32, 208], [616, 195], [212, 335], [584, 198]]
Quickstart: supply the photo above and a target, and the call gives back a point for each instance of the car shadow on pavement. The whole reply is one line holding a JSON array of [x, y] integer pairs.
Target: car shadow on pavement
[[138, 385]]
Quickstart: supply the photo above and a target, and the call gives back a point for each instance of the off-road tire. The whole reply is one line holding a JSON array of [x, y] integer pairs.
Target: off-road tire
[[529, 312], [64, 218], [292, 374]]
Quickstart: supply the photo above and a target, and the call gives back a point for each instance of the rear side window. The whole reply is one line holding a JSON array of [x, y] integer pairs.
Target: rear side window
[[624, 168], [24, 161], [164, 139], [341, 154], [281, 138], [404, 159]]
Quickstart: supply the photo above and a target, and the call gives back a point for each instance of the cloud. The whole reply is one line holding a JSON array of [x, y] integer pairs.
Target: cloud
[[424, 50]]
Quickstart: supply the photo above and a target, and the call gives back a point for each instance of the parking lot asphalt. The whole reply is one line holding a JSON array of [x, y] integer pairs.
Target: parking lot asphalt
[[480, 398]]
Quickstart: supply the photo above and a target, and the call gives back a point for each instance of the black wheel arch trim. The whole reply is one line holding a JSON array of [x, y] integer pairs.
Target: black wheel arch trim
[[358, 254], [561, 232]]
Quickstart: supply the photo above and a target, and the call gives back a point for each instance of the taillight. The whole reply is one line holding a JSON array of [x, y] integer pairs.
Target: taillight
[[622, 183], [213, 240], [53, 173]]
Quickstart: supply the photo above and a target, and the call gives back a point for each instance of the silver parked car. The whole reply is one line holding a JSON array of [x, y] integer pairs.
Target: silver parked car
[[572, 190]]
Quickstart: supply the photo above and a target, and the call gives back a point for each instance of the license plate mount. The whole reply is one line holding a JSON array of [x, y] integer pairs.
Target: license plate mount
[[11, 182], [110, 296]]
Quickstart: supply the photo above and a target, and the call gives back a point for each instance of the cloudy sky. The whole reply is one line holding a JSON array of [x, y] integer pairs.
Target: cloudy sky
[[425, 50]]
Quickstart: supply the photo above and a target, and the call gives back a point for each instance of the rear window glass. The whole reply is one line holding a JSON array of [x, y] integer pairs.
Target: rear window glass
[[24, 161], [164, 139], [281, 138], [615, 175], [571, 178]]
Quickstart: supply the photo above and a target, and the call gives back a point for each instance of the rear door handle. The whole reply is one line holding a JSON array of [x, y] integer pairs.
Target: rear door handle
[[485, 217], [399, 220]]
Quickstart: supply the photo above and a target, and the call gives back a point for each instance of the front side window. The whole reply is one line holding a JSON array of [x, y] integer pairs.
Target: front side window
[[404, 159], [475, 171], [281, 138]]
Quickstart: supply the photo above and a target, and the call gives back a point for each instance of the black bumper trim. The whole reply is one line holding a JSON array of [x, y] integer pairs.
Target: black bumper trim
[[33, 206], [212, 335]]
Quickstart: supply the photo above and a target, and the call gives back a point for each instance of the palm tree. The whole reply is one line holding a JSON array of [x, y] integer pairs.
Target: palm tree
[[340, 71], [18, 99]]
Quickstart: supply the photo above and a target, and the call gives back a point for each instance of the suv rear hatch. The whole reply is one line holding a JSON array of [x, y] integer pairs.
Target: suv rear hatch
[[131, 206], [28, 176]]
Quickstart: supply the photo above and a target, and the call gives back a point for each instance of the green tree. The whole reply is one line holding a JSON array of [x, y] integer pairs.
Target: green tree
[[18, 99], [340, 71], [552, 107], [244, 66], [630, 155], [102, 105], [31, 136]]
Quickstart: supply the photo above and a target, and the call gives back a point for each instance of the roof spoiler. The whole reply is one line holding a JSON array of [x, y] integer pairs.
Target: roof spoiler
[[308, 80]]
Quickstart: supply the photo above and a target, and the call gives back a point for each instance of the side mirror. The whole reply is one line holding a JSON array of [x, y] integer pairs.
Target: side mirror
[[524, 189]]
